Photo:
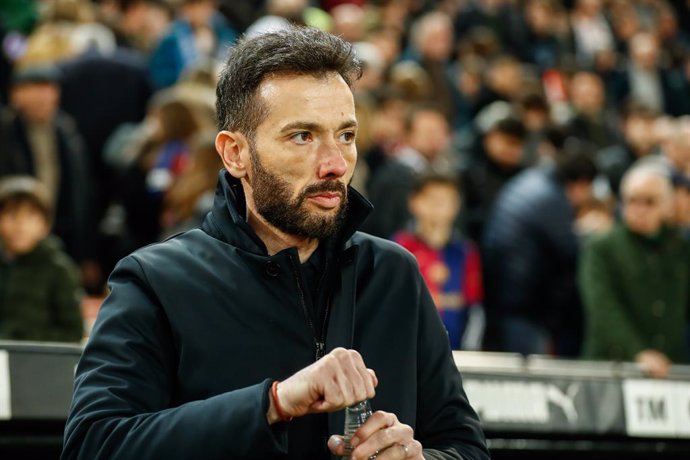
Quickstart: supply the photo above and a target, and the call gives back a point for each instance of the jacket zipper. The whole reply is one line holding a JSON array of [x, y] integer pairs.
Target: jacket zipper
[[319, 343]]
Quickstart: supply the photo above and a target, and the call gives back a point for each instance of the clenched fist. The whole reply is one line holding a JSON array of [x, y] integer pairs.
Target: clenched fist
[[336, 381]]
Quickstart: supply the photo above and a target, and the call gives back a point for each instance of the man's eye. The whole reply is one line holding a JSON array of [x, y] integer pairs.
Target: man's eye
[[302, 137], [347, 137]]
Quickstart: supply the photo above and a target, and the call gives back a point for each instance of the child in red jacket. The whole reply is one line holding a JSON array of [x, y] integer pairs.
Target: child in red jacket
[[449, 263]]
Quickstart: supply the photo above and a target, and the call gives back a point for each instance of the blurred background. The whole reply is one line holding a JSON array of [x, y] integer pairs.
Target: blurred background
[[534, 155]]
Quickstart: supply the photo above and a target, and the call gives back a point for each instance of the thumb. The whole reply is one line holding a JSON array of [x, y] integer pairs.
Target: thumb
[[336, 444]]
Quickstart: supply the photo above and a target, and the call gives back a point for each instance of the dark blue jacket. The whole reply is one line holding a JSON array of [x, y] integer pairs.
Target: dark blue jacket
[[531, 252], [196, 328]]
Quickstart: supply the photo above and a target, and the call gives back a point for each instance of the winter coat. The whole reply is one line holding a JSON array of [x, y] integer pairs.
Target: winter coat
[[531, 254], [196, 328], [39, 296], [636, 291]]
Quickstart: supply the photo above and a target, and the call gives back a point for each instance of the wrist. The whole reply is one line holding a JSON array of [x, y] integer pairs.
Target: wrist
[[275, 411]]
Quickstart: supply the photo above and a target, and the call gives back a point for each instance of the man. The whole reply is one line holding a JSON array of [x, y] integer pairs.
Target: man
[[635, 280], [591, 121], [498, 158], [247, 337], [647, 81], [531, 251], [639, 141]]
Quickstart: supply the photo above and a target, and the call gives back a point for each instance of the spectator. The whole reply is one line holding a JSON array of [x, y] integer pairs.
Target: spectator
[[39, 284], [591, 31], [432, 47], [498, 159], [116, 81], [544, 44], [39, 140], [449, 264], [161, 159], [504, 82], [635, 280], [639, 141], [591, 123], [427, 140], [139, 24], [531, 253], [191, 195], [200, 33], [647, 82]]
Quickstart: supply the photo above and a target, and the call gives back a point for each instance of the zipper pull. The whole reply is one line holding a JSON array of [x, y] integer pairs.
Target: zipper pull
[[320, 350]]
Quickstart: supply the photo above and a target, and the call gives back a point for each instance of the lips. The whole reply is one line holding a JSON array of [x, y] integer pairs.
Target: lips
[[327, 200]]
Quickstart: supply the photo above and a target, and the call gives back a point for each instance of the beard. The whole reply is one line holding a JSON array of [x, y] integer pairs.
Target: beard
[[273, 200]]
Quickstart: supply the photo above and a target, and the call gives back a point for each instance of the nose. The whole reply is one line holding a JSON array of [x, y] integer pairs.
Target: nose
[[332, 163]]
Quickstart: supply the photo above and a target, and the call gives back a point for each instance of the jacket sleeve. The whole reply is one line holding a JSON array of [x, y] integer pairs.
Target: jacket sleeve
[[610, 333], [446, 420], [124, 406]]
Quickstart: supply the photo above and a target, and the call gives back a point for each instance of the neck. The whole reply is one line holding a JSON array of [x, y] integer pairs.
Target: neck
[[277, 240], [436, 236]]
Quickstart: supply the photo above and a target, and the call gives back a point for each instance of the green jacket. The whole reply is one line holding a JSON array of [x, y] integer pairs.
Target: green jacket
[[39, 296], [636, 292]]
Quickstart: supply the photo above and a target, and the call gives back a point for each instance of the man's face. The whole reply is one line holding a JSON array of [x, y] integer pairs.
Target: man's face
[[587, 93], [639, 132], [504, 149], [646, 204], [199, 13], [437, 204], [22, 227], [430, 134], [304, 154], [37, 102]]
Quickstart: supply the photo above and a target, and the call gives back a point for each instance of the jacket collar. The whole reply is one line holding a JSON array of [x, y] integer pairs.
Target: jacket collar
[[226, 221]]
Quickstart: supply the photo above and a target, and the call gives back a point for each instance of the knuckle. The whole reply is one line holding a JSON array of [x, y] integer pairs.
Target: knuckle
[[392, 419]]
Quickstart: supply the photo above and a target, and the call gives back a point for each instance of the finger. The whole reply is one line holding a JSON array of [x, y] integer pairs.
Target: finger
[[372, 382], [379, 420], [384, 439], [333, 397], [411, 450], [358, 375], [336, 444]]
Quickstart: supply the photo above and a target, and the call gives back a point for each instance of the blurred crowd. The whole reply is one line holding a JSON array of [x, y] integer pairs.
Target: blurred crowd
[[533, 154]]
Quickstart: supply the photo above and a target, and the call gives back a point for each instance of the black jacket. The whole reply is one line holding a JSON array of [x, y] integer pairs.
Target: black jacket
[[531, 253], [196, 328]]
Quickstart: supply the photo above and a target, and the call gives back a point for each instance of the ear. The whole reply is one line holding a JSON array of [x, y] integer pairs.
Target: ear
[[233, 149]]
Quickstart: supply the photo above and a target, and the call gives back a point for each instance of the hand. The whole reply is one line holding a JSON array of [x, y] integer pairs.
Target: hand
[[653, 363], [337, 380], [383, 436]]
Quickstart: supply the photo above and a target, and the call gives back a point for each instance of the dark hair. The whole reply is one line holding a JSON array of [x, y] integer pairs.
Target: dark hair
[[298, 50], [574, 166], [635, 109], [510, 127], [433, 178], [534, 101], [18, 190], [416, 109]]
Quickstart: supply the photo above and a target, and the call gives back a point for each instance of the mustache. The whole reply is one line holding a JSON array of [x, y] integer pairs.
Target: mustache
[[328, 186]]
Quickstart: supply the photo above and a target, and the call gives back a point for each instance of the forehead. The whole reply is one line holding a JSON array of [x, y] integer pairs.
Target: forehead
[[644, 185], [439, 188], [319, 98]]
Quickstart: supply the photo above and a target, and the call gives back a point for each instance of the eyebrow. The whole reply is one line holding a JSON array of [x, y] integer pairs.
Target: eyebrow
[[311, 126]]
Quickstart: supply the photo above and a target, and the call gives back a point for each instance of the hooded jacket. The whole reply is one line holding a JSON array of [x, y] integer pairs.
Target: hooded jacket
[[196, 328]]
